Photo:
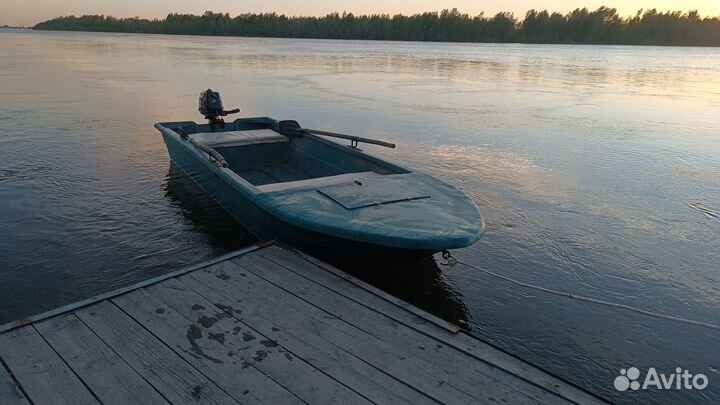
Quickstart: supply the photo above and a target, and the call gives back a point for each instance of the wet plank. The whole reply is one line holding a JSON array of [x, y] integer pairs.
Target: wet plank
[[40, 371], [279, 326], [204, 335], [112, 380], [374, 301], [10, 393], [465, 371], [171, 375], [302, 316]]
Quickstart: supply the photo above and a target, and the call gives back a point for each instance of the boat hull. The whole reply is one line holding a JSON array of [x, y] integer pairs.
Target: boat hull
[[266, 226]]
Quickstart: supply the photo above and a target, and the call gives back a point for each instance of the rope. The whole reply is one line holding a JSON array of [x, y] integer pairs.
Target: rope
[[451, 261]]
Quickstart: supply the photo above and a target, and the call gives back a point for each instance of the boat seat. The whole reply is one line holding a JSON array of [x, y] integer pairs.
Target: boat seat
[[317, 182], [238, 138]]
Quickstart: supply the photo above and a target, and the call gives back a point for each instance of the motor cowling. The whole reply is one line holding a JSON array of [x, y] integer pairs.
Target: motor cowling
[[210, 105]]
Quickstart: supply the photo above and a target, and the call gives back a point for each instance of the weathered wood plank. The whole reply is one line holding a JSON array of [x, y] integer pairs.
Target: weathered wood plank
[[375, 300], [454, 363], [271, 327], [416, 372], [204, 335], [10, 393], [308, 382], [338, 280], [100, 368], [374, 384], [41, 372], [172, 376], [472, 377]]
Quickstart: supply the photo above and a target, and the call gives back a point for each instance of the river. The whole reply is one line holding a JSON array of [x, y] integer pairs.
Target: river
[[597, 169]]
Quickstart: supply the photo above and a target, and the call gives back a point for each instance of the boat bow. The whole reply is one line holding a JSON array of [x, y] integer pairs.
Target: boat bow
[[407, 211]]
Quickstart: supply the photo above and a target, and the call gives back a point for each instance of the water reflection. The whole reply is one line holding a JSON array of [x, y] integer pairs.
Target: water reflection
[[205, 215], [422, 283]]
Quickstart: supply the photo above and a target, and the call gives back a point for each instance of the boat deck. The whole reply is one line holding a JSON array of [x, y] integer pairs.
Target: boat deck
[[265, 325]]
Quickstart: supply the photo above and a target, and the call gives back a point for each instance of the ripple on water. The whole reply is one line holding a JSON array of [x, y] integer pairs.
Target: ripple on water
[[702, 208]]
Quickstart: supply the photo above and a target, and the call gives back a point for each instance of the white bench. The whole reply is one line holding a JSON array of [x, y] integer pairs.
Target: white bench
[[238, 138]]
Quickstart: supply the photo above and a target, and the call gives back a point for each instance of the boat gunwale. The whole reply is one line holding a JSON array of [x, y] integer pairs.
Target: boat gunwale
[[167, 127]]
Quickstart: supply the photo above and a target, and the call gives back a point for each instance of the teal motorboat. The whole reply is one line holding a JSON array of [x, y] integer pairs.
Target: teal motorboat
[[285, 182]]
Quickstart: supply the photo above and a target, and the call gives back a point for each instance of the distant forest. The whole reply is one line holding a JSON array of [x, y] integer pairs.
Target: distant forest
[[581, 26]]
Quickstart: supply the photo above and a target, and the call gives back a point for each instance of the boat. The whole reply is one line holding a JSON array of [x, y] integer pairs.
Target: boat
[[284, 182]]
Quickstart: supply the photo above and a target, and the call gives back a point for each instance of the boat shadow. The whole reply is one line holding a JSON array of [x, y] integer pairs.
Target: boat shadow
[[419, 282]]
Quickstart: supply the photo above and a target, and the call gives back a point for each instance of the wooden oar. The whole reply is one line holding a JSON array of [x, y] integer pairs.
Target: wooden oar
[[292, 128]]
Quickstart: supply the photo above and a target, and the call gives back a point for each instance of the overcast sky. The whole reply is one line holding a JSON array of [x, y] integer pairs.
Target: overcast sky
[[29, 12]]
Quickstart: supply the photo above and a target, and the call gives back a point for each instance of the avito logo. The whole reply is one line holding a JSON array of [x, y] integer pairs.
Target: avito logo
[[681, 379]]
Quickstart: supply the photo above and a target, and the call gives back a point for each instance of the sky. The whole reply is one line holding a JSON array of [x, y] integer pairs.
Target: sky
[[30, 12]]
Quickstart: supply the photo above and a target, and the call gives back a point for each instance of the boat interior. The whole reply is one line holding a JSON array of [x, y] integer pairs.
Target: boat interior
[[272, 161]]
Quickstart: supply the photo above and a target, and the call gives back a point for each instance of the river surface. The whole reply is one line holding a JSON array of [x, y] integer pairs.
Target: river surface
[[597, 169]]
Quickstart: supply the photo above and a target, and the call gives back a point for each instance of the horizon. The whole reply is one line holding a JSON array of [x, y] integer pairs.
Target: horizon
[[29, 13]]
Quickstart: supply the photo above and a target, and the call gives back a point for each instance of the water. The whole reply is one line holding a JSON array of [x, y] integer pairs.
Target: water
[[597, 169]]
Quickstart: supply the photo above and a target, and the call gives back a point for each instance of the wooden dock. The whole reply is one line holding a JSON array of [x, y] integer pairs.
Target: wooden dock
[[265, 325]]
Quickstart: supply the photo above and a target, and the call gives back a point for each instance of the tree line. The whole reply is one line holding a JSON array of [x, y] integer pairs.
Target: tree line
[[581, 26]]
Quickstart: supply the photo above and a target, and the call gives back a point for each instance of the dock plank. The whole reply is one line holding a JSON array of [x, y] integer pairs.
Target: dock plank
[[306, 381], [244, 367], [416, 372], [112, 380], [352, 371], [171, 375], [259, 326], [450, 360], [10, 393], [40, 371], [375, 300]]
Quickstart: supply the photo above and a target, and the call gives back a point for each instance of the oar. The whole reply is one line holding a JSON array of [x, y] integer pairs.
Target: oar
[[292, 128], [219, 160]]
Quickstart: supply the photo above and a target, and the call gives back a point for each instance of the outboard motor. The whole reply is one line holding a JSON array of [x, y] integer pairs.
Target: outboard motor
[[211, 107]]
